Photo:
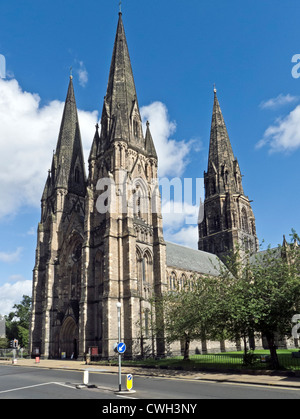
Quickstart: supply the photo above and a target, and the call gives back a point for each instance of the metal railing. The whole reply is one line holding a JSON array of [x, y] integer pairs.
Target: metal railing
[[287, 361], [9, 353]]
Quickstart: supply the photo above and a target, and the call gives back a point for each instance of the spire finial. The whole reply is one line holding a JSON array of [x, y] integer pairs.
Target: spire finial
[[120, 6], [71, 73], [215, 90]]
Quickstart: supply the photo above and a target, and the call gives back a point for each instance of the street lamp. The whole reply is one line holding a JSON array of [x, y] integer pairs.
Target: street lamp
[[119, 341]]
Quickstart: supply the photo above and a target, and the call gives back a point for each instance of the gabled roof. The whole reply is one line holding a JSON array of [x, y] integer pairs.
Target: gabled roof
[[184, 258]]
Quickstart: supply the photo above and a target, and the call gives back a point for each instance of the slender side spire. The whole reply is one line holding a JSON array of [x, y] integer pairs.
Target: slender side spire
[[220, 148], [223, 173], [68, 157]]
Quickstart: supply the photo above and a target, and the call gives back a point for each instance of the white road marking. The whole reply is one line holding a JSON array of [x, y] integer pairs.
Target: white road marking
[[126, 397], [35, 385]]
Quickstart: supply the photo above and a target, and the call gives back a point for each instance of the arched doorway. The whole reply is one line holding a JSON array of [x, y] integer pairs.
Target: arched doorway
[[68, 338]]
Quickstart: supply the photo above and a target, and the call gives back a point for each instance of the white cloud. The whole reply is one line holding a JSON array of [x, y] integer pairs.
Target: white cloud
[[176, 214], [280, 100], [186, 236], [172, 155], [12, 293], [28, 136], [82, 74], [284, 135], [180, 221], [31, 231], [9, 257]]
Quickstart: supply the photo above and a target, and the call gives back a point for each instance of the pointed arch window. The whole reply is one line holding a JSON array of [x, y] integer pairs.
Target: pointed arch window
[[182, 281], [99, 271], [213, 186], [77, 175], [140, 199], [148, 263], [135, 128], [226, 177], [244, 219], [73, 271], [173, 280], [147, 315], [144, 266]]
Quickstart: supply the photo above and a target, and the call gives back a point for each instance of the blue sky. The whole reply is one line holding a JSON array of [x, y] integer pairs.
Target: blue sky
[[178, 49]]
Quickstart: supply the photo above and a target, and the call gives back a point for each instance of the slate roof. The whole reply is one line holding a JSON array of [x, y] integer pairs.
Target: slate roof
[[264, 255], [184, 258]]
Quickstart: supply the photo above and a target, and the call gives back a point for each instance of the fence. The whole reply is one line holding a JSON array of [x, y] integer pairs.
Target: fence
[[288, 360], [9, 353]]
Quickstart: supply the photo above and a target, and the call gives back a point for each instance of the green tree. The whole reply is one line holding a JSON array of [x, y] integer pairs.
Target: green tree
[[189, 312], [274, 294], [178, 308], [256, 295], [235, 305], [264, 296], [18, 321], [4, 343]]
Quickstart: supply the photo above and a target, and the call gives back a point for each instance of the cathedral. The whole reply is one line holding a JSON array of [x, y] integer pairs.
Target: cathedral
[[100, 237]]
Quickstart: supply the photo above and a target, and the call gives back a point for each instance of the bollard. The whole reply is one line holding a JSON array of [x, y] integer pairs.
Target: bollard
[[85, 377], [129, 382]]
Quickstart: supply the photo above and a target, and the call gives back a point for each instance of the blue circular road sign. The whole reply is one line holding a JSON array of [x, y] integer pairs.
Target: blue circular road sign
[[121, 348]]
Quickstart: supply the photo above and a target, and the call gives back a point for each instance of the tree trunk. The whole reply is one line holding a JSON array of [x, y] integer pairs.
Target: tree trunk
[[186, 355], [245, 347], [273, 352]]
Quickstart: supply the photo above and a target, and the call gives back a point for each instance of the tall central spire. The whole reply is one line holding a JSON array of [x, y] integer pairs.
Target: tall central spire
[[120, 102]]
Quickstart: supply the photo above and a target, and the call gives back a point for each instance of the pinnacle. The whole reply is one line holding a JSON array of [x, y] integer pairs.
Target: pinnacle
[[149, 144]]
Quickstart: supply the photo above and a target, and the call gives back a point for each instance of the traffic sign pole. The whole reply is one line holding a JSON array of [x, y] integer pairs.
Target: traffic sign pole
[[120, 374], [119, 340]]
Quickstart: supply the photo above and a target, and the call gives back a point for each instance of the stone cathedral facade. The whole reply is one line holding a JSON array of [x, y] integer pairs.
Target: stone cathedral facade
[[100, 237]]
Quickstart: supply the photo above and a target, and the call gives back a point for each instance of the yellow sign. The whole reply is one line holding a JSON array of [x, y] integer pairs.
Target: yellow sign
[[129, 382]]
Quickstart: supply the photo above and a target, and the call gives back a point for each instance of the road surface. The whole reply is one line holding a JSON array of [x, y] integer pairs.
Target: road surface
[[32, 383]]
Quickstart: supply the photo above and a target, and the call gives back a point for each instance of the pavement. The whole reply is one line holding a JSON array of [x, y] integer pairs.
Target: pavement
[[271, 378]]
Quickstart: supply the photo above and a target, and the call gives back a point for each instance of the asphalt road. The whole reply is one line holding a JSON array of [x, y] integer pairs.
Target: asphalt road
[[32, 383]]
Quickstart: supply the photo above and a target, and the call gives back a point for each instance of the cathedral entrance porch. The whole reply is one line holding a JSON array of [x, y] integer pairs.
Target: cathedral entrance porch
[[68, 338]]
